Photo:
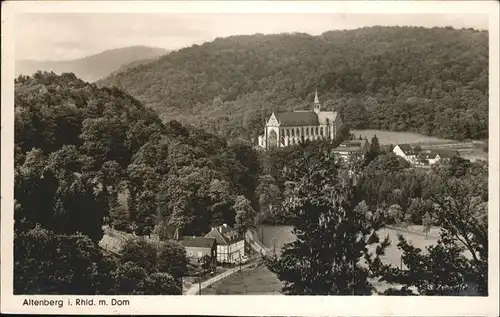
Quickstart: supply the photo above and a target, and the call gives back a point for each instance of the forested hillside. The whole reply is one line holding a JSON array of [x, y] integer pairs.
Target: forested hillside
[[77, 148], [94, 67], [432, 81], [80, 148]]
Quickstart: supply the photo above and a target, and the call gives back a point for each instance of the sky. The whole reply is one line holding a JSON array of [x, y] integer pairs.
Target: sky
[[66, 36]]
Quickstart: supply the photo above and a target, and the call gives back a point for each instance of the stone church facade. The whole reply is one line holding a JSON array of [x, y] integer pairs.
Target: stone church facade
[[288, 128]]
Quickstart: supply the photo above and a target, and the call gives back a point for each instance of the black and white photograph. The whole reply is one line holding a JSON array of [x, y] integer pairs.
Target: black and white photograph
[[300, 154]]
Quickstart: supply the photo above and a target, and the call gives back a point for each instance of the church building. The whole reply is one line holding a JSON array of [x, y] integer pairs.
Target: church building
[[288, 128]]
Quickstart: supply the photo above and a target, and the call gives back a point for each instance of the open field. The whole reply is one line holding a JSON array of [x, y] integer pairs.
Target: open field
[[253, 281], [279, 235], [391, 137], [262, 281], [469, 150], [473, 154]]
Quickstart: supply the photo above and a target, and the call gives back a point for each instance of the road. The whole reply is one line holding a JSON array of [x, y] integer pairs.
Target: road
[[255, 244], [195, 288]]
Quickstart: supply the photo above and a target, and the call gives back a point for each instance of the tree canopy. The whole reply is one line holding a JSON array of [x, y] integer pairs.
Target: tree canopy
[[89, 157], [432, 81]]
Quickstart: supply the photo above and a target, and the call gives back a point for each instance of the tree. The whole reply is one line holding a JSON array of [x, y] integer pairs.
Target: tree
[[268, 194], [331, 233], [172, 259], [49, 263], [395, 212], [51, 192], [143, 183], [245, 214], [458, 264], [130, 278], [141, 252], [221, 202], [374, 150], [161, 284]]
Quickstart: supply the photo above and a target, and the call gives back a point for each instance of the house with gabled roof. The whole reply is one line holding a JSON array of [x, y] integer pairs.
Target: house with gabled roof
[[350, 148], [199, 247], [436, 155], [406, 151], [230, 244], [289, 128]]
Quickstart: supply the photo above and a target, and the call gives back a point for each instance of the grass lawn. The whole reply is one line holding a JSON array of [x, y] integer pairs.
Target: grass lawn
[[252, 281], [391, 137], [393, 254], [259, 281]]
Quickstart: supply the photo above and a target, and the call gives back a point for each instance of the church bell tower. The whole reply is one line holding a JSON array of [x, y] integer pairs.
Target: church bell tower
[[317, 105]]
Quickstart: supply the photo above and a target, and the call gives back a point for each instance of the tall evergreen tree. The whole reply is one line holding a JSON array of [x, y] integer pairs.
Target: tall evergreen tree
[[332, 234], [374, 150]]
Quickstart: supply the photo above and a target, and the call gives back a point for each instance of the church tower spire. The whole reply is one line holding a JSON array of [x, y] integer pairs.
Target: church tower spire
[[317, 105]]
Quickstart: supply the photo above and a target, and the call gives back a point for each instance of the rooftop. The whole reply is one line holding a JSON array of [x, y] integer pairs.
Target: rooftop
[[224, 235], [351, 146], [446, 153], [406, 148], [305, 118], [198, 242], [297, 118]]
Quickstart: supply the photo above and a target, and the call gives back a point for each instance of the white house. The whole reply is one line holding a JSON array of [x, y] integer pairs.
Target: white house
[[437, 155], [350, 148], [426, 157], [230, 244], [407, 152]]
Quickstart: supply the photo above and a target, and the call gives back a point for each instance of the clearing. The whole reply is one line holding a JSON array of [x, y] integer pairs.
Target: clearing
[[260, 281]]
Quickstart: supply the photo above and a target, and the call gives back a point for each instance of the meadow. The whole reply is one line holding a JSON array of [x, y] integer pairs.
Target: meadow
[[391, 137], [260, 280]]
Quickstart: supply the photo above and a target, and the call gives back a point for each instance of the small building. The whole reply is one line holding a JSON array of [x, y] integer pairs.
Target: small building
[[350, 148], [198, 247], [230, 244], [407, 152], [431, 157]]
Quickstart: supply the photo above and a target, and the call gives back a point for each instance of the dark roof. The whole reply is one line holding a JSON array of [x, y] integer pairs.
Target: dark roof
[[351, 146], [347, 149], [198, 242], [406, 148], [297, 118], [354, 142], [224, 235]]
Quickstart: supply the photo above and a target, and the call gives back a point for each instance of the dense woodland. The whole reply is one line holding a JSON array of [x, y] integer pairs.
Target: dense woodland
[[78, 149], [431, 81]]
